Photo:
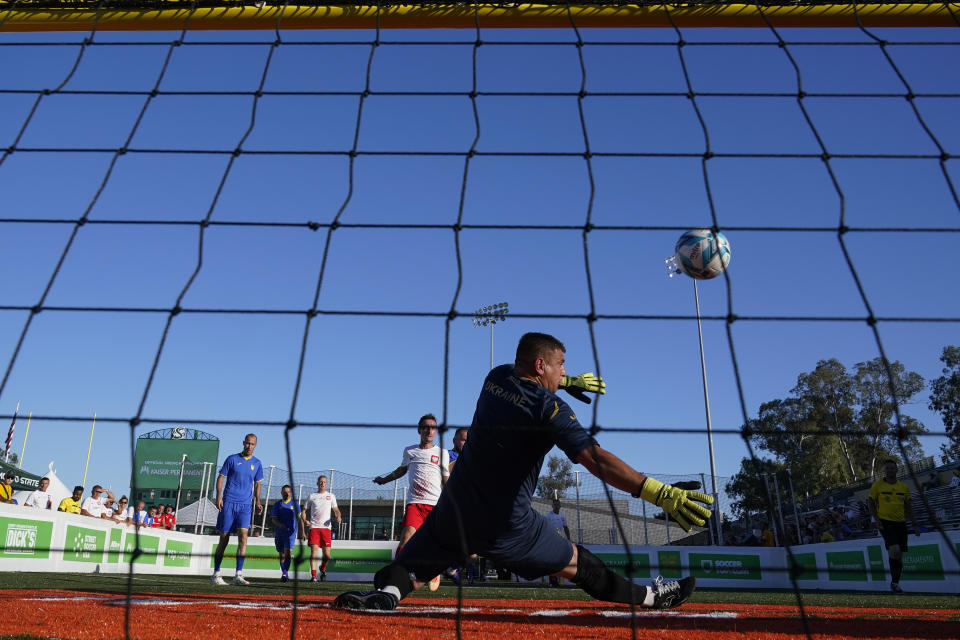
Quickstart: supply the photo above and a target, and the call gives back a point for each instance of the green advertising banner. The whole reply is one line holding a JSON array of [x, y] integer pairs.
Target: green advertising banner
[[84, 545], [669, 564], [149, 547], [344, 560], [25, 538], [878, 571], [846, 566], [923, 563], [177, 553], [725, 566], [803, 566], [618, 562], [156, 462], [116, 543]]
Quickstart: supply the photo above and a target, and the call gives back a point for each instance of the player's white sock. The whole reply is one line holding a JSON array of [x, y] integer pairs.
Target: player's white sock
[[648, 601], [392, 590]]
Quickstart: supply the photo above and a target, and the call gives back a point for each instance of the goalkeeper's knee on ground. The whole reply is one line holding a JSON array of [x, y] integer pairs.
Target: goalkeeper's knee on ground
[[603, 584], [395, 576]]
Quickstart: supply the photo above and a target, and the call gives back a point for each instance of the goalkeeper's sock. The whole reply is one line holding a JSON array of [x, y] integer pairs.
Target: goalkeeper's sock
[[393, 579], [603, 584], [896, 568], [217, 560], [240, 563]]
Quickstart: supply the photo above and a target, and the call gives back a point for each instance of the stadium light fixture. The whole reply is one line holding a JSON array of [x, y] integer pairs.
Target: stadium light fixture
[[673, 268], [491, 315]]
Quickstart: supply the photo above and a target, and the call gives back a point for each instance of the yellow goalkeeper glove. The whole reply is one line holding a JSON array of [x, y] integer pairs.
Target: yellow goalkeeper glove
[[577, 385], [680, 504]]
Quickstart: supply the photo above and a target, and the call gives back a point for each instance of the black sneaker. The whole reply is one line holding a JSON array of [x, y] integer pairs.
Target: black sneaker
[[667, 595], [895, 587], [284, 579], [370, 600]]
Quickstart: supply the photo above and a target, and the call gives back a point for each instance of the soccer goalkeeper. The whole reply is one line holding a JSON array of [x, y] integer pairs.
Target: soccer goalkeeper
[[518, 419]]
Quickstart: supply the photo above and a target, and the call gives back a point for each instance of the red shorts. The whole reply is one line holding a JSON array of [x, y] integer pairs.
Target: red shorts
[[415, 514], [320, 537]]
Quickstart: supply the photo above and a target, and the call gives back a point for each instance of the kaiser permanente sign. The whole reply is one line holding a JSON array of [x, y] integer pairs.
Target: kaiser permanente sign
[[34, 540]]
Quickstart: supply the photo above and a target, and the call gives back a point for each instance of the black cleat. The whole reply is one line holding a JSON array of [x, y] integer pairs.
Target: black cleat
[[368, 600], [895, 587], [323, 576], [284, 579], [667, 595]]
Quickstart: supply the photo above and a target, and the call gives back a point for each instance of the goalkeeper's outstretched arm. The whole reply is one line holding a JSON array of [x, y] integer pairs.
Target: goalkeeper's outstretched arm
[[682, 505]]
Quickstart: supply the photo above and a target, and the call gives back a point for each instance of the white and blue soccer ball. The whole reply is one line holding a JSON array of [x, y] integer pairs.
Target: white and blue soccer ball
[[702, 254]]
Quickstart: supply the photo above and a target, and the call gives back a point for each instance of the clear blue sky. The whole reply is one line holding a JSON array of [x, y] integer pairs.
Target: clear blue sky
[[390, 370]]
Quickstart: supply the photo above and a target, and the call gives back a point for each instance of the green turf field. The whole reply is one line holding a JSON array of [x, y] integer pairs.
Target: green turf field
[[117, 584]]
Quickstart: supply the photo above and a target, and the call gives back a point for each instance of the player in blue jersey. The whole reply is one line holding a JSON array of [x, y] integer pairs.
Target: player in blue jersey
[[284, 517], [459, 439], [518, 419], [237, 485]]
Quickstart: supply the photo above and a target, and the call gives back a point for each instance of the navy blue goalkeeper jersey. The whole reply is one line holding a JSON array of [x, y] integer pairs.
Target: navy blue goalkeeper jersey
[[516, 423]]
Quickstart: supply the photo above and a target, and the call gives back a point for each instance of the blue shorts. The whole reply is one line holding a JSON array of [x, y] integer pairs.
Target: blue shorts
[[235, 515], [284, 542], [530, 551]]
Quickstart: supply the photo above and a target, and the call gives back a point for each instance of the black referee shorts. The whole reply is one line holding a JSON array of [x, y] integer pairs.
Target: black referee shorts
[[894, 533]]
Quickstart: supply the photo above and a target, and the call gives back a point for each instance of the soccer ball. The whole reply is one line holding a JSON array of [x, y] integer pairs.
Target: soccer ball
[[702, 254]]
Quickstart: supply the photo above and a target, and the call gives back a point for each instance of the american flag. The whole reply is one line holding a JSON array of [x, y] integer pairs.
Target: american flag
[[10, 432]]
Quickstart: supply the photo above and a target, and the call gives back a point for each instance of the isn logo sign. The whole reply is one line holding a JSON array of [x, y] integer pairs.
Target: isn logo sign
[[725, 566], [25, 538]]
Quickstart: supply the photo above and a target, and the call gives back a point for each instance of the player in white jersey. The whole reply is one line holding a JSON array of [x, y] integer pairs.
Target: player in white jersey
[[429, 468], [316, 518]]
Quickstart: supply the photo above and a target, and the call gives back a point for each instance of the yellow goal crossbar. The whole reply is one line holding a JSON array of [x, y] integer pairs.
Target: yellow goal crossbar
[[27, 15]]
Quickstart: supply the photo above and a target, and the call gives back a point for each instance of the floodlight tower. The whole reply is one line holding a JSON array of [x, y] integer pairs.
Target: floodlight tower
[[490, 315], [673, 268]]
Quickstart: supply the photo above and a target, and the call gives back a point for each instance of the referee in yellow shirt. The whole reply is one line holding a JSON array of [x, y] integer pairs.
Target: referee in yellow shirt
[[890, 507]]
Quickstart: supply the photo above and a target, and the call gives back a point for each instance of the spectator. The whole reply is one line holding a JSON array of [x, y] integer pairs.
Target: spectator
[[124, 512], [141, 515], [170, 519], [851, 513], [752, 539], [826, 536], [808, 536], [72, 504], [156, 518], [955, 480], [93, 506], [108, 510], [766, 537], [40, 498], [6, 488]]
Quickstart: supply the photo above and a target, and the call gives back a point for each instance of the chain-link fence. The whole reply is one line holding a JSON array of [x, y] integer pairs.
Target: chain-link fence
[[596, 516], [374, 512]]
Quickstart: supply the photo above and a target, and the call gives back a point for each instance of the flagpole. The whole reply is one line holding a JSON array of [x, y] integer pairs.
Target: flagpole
[[89, 446], [6, 453], [24, 447]]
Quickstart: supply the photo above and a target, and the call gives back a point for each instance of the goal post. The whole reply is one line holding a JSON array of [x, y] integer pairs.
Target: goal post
[[39, 15]]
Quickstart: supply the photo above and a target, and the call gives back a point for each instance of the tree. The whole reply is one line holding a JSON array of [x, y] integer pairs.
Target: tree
[[878, 408], [747, 487], [829, 392], [945, 400], [836, 425], [557, 479]]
